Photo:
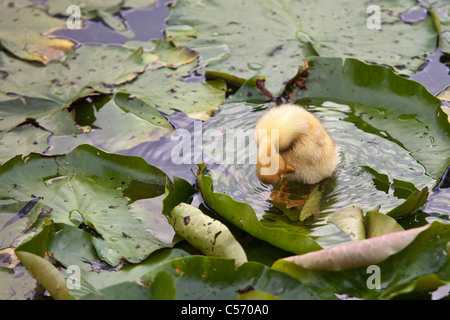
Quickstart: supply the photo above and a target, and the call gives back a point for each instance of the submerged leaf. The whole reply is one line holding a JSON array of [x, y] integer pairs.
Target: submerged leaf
[[350, 221], [47, 275], [378, 224]]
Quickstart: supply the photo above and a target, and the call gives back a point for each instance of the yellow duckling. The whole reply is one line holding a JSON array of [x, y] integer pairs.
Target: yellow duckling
[[292, 143]]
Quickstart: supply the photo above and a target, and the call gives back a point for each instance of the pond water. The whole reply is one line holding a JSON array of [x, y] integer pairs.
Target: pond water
[[150, 23]]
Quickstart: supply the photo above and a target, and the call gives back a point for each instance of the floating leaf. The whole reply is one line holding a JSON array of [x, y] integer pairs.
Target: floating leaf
[[119, 124], [197, 277], [47, 275], [23, 140], [96, 185], [208, 235], [24, 32], [351, 221], [400, 260], [165, 90], [378, 224], [88, 69]]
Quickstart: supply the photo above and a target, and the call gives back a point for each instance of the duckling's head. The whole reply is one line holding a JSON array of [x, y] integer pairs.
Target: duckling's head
[[273, 171]]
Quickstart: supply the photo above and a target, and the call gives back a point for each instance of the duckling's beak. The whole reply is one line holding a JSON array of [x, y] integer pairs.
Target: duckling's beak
[[289, 169]]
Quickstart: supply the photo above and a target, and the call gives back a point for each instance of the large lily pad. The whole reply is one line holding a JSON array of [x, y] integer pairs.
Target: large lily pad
[[91, 189], [272, 37], [385, 104]]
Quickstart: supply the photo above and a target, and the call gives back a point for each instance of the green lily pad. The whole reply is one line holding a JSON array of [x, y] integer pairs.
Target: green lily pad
[[120, 123], [440, 11], [165, 89], [208, 235], [390, 265], [97, 187], [198, 277], [88, 69], [271, 38], [23, 140], [24, 31], [405, 113]]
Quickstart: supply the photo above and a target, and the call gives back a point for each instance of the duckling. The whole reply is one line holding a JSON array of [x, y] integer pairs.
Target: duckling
[[292, 143]]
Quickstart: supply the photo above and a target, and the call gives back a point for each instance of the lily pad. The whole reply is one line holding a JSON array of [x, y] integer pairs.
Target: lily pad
[[165, 89], [24, 31], [23, 140], [93, 186], [198, 277], [400, 260], [405, 108], [108, 11], [81, 73], [120, 123], [272, 38], [440, 11]]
